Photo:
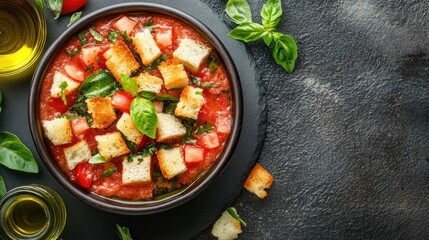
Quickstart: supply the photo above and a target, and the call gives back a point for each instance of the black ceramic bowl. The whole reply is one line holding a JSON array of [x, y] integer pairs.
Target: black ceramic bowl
[[118, 205]]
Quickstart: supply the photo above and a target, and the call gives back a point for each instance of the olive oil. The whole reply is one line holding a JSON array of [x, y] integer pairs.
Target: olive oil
[[22, 38]]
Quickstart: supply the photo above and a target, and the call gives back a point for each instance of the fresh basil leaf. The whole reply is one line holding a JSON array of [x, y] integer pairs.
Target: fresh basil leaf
[[233, 214], [56, 6], [125, 36], [197, 82], [212, 64], [82, 38], [148, 95], [248, 32], [96, 159], [129, 85], [169, 107], [41, 4], [167, 97], [110, 171], [205, 128], [239, 11], [149, 25], [99, 84], [80, 107], [15, 155], [113, 35], [144, 116], [271, 13], [123, 233], [285, 52], [165, 146], [74, 18], [73, 52], [3, 189], [98, 37], [1, 100], [149, 150], [63, 87], [271, 37]]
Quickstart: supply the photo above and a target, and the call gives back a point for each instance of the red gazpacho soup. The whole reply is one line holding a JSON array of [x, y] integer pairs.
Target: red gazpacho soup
[[136, 106]]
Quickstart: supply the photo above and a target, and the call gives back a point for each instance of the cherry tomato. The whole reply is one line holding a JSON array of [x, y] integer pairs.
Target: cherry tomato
[[72, 5], [121, 100], [59, 105], [84, 174]]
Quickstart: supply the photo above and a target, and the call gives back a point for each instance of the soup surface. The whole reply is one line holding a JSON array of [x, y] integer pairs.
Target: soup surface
[[136, 106]]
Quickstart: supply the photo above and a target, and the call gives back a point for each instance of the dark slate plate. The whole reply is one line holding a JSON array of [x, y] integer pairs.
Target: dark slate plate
[[184, 222]]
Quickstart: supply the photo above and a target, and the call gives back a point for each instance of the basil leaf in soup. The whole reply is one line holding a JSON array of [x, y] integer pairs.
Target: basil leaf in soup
[[129, 85], [144, 116], [98, 84], [15, 155]]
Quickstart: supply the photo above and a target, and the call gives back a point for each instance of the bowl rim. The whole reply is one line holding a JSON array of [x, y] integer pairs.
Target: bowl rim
[[129, 207]]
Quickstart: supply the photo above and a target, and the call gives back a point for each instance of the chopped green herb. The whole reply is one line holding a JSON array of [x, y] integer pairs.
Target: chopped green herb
[[231, 211], [167, 97], [149, 150], [110, 171], [81, 109], [96, 159], [98, 37], [147, 95], [113, 35], [199, 93], [123, 233], [63, 87], [205, 128], [74, 18], [73, 52], [165, 146], [197, 82], [155, 63], [56, 6], [150, 25], [87, 68], [82, 38], [3, 189], [190, 125], [212, 64], [169, 107]]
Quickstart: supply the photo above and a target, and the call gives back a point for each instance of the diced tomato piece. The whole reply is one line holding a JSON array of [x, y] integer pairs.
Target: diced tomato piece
[[163, 38], [89, 55], [84, 173], [79, 126], [223, 122], [124, 24], [70, 6], [75, 71], [159, 106], [193, 154], [58, 104], [142, 143], [209, 140], [121, 100]]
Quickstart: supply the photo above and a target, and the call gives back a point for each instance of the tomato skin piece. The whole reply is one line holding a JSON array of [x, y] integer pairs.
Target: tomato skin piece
[[58, 104], [75, 72], [84, 174], [72, 5], [193, 154], [79, 126], [121, 100]]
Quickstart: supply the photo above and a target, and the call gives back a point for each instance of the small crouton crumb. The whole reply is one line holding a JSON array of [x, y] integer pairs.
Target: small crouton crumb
[[226, 227], [59, 78], [174, 75], [190, 102], [136, 169], [171, 162], [120, 60], [146, 47], [102, 112], [169, 128], [258, 180], [58, 130], [111, 145], [76, 154], [191, 54], [148, 83], [128, 128]]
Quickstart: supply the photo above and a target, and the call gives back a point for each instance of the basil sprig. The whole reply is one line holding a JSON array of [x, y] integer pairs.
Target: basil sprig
[[123, 233], [15, 155], [55, 6], [284, 47], [144, 116], [74, 18]]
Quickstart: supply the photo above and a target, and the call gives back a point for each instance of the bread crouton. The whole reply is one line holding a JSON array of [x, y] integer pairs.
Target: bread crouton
[[258, 180], [226, 227], [120, 60], [191, 100], [169, 128], [174, 75], [58, 131], [127, 127], [191, 54], [102, 112], [136, 169], [111, 145], [56, 89], [146, 47], [171, 162], [148, 83], [76, 154]]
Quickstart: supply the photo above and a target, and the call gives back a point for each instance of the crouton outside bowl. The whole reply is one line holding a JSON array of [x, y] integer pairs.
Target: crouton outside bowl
[[189, 143]]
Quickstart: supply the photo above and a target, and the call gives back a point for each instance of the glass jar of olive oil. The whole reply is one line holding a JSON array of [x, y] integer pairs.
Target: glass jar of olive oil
[[32, 212]]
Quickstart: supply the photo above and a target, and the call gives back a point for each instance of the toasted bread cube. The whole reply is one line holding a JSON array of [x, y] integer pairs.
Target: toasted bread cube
[[226, 227], [191, 54], [102, 112], [146, 47], [258, 180], [148, 83], [128, 129], [136, 169], [171, 162], [191, 100], [58, 131], [174, 75], [111, 145], [120, 60], [59, 78], [76, 154], [169, 128]]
